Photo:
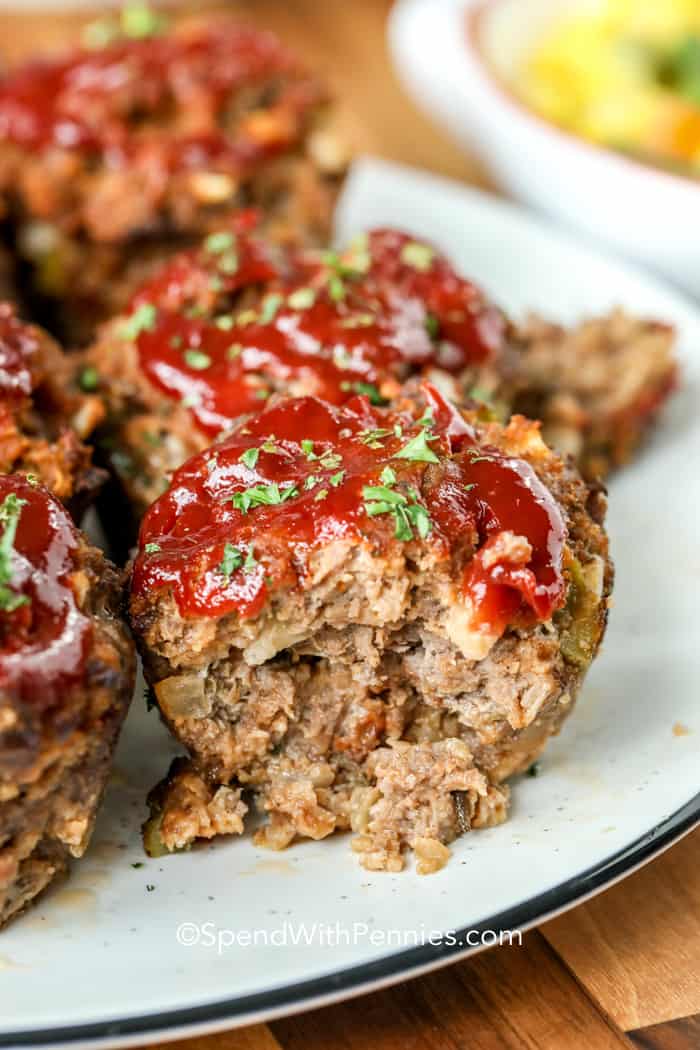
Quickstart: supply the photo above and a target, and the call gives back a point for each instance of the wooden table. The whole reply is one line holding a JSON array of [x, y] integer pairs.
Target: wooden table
[[620, 971]]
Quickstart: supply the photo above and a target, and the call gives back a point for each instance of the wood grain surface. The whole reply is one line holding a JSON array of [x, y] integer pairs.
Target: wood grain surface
[[622, 970]]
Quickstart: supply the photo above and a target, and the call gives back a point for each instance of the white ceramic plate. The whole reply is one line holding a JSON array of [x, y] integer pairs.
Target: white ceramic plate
[[99, 959]]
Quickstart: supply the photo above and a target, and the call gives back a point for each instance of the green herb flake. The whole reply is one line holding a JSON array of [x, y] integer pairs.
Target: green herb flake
[[263, 495], [417, 450], [232, 560], [143, 319], [336, 288], [418, 256], [320, 495], [380, 499], [270, 307], [224, 322], [228, 263], [307, 447], [246, 317], [218, 243], [311, 481], [197, 360], [152, 548], [358, 320], [387, 476], [432, 326], [337, 479], [235, 350], [262, 393], [10, 511], [367, 390], [302, 299], [89, 379], [139, 21], [251, 563], [249, 458], [373, 437]]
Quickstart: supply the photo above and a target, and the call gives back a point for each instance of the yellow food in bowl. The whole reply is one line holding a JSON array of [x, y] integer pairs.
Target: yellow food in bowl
[[625, 74]]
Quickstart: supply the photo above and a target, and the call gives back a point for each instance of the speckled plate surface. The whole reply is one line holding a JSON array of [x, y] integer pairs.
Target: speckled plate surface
[[104, 957]]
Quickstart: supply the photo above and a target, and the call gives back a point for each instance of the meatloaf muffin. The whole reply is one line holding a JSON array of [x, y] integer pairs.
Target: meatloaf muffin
[[44, 415], [112, 157], [598, 387], [66, 677], [222, 327], [365, 617]]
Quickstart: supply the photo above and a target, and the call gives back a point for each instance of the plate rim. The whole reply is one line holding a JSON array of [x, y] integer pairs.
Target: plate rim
[[353, 981]]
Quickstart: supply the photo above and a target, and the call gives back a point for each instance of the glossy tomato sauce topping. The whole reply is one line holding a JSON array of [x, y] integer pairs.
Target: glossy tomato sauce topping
[[243, 518], [18, 349], [164, 99], [327, 324], [43, 634]]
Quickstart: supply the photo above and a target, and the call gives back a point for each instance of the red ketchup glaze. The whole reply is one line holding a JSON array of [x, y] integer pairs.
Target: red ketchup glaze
[[18, 346], [101, 101], [43, 641], [477, 493], [335, 327]]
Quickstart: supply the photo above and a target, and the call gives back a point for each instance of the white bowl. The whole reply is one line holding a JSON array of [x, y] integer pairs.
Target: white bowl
[[457, 58]]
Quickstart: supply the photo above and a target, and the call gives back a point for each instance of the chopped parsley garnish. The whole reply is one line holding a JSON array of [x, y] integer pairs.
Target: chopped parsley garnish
[[262, 393], [368, 389], [270, 305], [228, 263], [337, 479], [197, 359], [336, 287], [139, 21], [419, 256], [374, 436], [302, 299], [358, 321], [328, 460], [251, 563], [418, 450], [432, 325], [312, 479], [249, 458], [246, 317], [263, 495], [476, 456], [235, 350], [89, 379], [387, 476], [218, 243], [143, 319], [232, 560], [356, 259], [10, 511], [321, 494], [152, 548], [382, 499], [224, 322], [470, 486]]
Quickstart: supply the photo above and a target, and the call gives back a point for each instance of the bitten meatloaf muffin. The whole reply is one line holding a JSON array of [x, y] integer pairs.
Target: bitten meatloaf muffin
[[66, 678], [223, 327], [44, 415], [112, 157], [365, 617]]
